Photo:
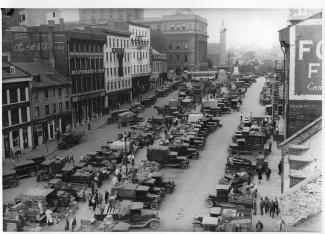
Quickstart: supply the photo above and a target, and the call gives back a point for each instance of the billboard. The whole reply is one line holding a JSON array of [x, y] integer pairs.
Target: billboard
[[306, 60]]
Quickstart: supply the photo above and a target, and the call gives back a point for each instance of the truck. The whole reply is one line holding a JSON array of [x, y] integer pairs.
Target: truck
[[225, 198], [167, 158]]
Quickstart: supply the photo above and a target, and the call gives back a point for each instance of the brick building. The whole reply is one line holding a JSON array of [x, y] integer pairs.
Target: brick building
[[186, 40], [50, 101], [16, 119], [158, 64]]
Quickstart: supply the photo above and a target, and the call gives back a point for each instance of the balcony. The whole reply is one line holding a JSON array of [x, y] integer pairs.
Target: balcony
[[87, 71]]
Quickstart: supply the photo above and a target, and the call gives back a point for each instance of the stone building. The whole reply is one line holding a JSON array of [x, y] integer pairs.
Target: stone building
[[50, 101], [186, 40], [117, 63], [16, 119], [102, 15], [158, 63]]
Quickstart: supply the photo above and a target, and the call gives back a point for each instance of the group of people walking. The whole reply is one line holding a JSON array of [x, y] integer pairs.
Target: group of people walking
[[269, 206]]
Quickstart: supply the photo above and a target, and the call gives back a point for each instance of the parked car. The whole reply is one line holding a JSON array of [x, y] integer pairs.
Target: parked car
[[9, 179], [25, 168]]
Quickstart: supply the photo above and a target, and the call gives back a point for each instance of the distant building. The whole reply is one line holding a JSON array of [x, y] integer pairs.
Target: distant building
[[50, 101], [185, 36], [298, 15], [102, 15], [158, 64], [16, 119], [214, 53], [38, 16]]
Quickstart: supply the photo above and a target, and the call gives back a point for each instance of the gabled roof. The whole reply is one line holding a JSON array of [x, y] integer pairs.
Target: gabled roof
[[18, 72], [42, 69]]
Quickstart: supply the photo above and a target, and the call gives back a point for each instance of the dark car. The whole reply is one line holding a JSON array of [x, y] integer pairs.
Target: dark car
[[25, 168], [167, 184], [185, 150], [9, 179]]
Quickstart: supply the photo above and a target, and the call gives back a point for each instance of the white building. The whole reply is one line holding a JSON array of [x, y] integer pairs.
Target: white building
[[140, 58], [36, 17], [117, 64]]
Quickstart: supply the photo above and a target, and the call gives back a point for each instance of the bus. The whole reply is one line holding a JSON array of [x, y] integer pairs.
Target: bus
[[202, 75]]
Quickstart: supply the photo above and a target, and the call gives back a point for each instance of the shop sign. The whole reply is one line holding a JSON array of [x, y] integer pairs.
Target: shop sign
[[306, 60], [118, 50]]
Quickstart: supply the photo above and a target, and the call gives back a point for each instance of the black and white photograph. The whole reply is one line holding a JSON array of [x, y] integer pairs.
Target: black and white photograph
[[150, 119]]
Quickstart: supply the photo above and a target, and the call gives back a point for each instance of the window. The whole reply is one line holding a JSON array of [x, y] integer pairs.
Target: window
[[170, 45], [53, 13], [185, 45], [177, 27], [113, 42], [127, 44], [15, 138], [114, 71], [170, 57], [172, 27], [23, 18], [110, 42], [60, 107], [111, 71], [5, 119], [178, 58], [23, 111], [115, 84], [117, 40], [37, 111], [67, 105], [134, 55], [14, 116], [47, 110], [177, 46], [4, 96], [13, 95], [53, 92], [12, 70], [119, 84], [183, 27], [46, 93], [185, 58], [54, 107]]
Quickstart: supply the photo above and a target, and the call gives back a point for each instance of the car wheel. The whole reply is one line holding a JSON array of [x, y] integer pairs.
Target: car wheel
[[154, 224], [183, 165], [169, 190], [13, 184], [154, 206], [32, 173], [209, 203], [195, 157]]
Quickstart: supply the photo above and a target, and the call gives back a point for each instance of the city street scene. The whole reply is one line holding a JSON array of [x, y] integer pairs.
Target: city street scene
[[161, 120]]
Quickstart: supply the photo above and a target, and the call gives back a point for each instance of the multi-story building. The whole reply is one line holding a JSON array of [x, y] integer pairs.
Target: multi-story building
[[16, 120], [76, 54], [186, 39], [139, 57], [50, 101], [102, 15], [301, 43], [38, 16], [158, 65], [117, 63]]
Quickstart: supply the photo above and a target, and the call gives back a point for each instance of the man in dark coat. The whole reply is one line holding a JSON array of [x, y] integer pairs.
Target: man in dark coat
[[272, 208], [106, 197], [276, 206], [262, 204], [259, 226], [280, 167], [266, 204], [267, 173]]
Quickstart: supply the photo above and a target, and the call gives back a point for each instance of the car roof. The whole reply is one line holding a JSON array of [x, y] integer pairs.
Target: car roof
[[142, 188], [136, 206], [8, 172], [210, 220], [23, 162], [223, 186]]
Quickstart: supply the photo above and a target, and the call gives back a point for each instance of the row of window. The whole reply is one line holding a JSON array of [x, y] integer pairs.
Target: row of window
[[14, 113], [178, 27], [113, 56], [128, 70], [117, 84], [54, 109], [139, 42], [120, 43], [139, 33], [85, 63], [87, 83], [13, 95], [157, 66], [52, 92], [80, 46], [178, 58], [177, 45]]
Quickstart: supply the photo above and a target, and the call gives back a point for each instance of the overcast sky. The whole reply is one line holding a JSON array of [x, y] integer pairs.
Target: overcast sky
[[255, 28]]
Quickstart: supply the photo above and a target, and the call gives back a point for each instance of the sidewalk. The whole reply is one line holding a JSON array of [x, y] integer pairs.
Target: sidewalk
[[270, 189], [52, 146]]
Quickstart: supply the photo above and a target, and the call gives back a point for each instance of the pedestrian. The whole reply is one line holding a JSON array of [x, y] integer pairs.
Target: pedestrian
[[266, 204], [272, 208], [268, 173], [270, 147], [280, 167], [259, 175], [67, 224], [241, 116], [132, 159], [119, 178], [93, 202], [49, 218], [276, 206], [106, 196], [89, 200], [100, 199], [262, 205], [112, 200], [266, 153], [259, 226], [74, 223]]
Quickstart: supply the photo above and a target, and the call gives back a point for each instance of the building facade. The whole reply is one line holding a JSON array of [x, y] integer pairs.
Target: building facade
[[186, 39], [158, 64], [117, 64], [36, 17], [16, 119], [97, 16], [50, 101], [301, 44]]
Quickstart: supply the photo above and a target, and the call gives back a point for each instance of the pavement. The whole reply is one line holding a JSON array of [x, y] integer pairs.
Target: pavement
[[192, 185]]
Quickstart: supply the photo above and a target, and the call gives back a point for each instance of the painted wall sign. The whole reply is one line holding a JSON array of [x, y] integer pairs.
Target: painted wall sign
[[306, 60]]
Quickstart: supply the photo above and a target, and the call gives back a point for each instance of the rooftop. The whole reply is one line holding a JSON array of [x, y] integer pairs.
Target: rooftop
[[6, 72]]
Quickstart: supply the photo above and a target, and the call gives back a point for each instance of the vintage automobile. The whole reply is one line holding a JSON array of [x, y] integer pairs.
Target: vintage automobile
[[9, 179], [130, 118], [138, 218], [25, 168], [167, 184], [225, 198], [114, 115], [137, 193], [185, 150], [69, 140], [165, 157], [234, 104], [205, 223], [49, 168], [150, 182], [136, 108]]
